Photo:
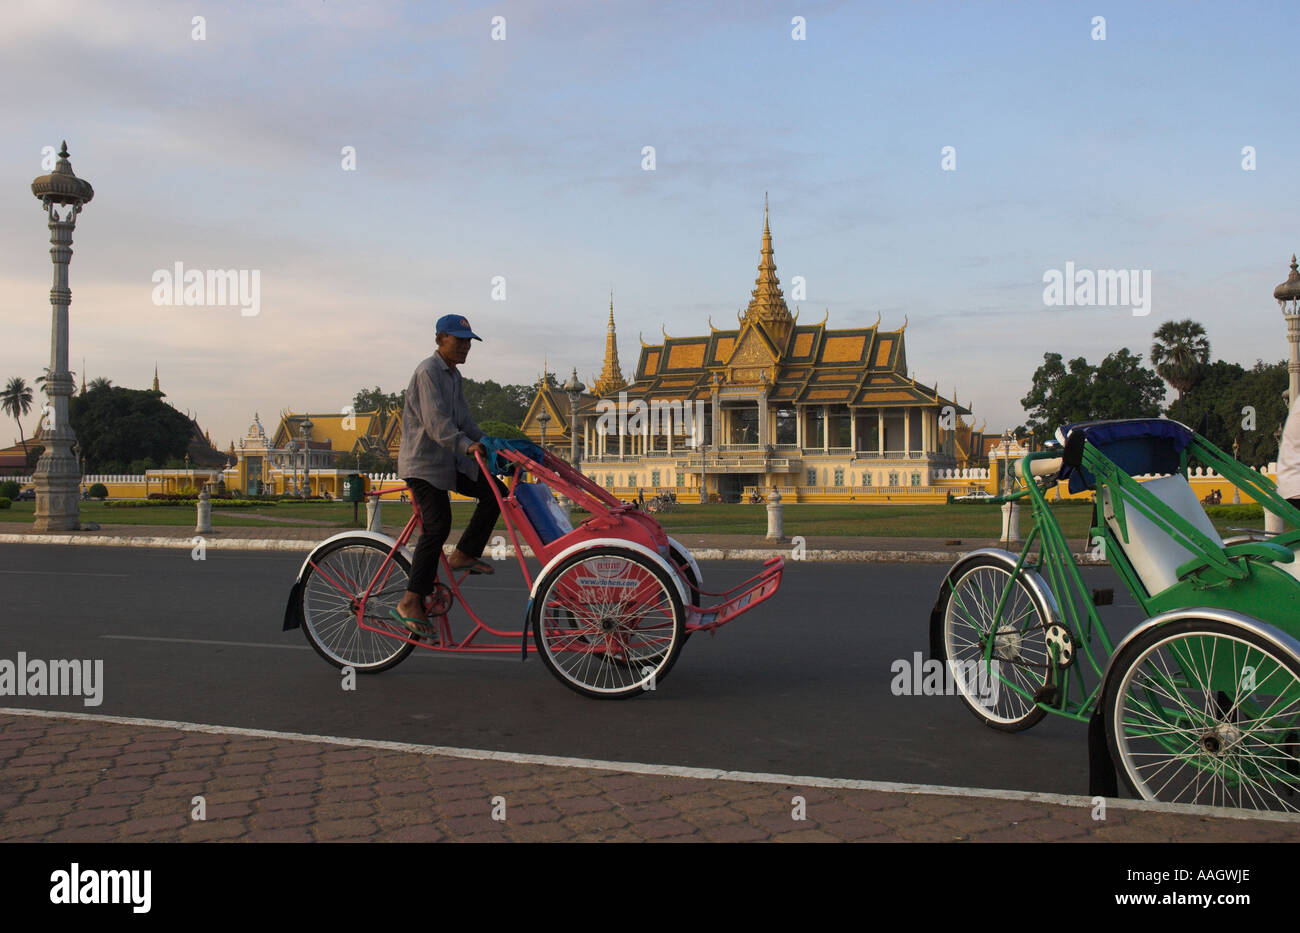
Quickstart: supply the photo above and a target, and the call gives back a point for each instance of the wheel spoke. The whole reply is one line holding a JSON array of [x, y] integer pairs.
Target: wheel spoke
[[1188, 727], [330, 614]]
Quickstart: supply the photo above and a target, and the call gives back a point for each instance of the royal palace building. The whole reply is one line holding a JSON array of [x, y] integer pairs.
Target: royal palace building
[[821, 414]]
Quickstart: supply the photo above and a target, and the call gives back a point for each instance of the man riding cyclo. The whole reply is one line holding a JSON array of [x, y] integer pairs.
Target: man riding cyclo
[[439, 440]]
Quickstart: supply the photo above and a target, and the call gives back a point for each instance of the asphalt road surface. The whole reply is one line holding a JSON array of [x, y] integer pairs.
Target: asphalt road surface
[[800, 685]]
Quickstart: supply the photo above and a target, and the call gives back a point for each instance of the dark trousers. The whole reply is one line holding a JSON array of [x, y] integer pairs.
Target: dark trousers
[[435, 525]]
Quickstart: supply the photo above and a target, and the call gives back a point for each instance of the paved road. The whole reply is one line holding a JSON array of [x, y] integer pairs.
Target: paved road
[[799, 686]]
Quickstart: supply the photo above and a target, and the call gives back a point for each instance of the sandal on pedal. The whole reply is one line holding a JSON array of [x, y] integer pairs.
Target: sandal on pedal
[[417, 627], [477, 567]]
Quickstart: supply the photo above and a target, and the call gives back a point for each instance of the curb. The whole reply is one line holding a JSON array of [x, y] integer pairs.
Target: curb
[[822, 555]]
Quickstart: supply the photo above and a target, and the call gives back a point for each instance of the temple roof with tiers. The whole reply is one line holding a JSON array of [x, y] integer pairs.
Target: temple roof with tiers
[[797, 363]]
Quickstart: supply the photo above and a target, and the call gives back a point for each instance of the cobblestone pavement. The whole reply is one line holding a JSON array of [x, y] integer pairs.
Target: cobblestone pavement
[[76, 779]]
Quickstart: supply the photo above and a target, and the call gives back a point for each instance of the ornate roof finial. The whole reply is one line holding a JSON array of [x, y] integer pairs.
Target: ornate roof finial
[[611, 375], [767, 303], [877, 324], [156, 387]]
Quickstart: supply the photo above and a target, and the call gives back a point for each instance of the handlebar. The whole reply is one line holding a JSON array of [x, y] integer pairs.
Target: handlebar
[[1037, 468]]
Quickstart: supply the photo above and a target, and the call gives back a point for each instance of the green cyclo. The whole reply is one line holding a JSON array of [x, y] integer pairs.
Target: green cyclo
[[1200, 703]]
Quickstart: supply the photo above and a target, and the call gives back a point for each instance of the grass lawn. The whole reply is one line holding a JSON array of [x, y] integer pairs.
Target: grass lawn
[[883, 521], [902, 521]]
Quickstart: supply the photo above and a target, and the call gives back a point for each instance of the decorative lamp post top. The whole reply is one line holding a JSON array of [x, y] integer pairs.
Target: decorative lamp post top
[[1290, 289], [574, 386], [62, 186]]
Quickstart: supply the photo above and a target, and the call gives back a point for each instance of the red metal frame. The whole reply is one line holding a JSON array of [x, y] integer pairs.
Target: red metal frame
[[610, 517]]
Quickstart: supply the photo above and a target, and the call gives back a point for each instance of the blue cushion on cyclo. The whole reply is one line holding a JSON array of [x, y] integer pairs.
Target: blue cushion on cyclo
[[500, 465], [1136, 445], [543, 511]]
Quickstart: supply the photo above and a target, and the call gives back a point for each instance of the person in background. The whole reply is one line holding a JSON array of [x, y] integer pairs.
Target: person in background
[[1288, 457]]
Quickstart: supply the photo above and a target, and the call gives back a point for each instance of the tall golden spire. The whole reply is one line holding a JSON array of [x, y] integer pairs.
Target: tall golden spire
[[155, 378], [611, 376], [767, 305]]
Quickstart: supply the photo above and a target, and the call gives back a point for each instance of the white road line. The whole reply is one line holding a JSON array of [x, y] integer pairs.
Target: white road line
[[66, 573], [205, 641], [511, 655], [707, 774]]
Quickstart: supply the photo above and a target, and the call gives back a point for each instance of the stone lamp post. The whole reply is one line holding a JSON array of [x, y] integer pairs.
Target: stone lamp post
[[57, 478], [573, 388], [544, 419], [1287, 296], [307, 425]]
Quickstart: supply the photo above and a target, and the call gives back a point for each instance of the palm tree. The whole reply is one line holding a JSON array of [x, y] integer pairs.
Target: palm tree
[[100, 383], [41, 380], [1180, 350], [16, 400]]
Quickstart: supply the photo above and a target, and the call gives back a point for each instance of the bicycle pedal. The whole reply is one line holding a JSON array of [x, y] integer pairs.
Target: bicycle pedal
[[1047, 694]]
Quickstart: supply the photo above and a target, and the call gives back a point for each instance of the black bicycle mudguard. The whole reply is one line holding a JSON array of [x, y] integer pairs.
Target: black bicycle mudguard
[[1101, 769], [936, 624], [292, 619], [523, 641]]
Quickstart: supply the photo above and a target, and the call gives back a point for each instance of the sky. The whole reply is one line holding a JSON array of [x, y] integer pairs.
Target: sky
[[221, 145]]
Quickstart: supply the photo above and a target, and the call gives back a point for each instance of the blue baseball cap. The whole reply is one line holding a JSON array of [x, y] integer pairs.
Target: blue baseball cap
[[455, 325]]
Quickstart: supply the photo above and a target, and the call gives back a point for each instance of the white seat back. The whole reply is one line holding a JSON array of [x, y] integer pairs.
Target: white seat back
[[1155, 555]]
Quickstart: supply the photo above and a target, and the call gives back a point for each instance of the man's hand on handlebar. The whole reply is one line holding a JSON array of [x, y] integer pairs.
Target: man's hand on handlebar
[[476, 448]]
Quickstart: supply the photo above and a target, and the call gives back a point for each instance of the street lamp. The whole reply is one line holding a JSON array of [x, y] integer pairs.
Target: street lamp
[[293, 464], [1006, 461], [704, 472], [573, 388], [544, 419], [57, 479], [1288, 299], [306, 456]]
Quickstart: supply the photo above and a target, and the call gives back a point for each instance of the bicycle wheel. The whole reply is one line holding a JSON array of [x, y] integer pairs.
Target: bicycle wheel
[[1201, 711], [330, 598], [608, 622], [1001, 693]]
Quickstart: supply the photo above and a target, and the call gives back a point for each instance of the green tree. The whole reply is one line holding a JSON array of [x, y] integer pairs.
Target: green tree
[[1180, 352], [501, 429], [98, 384], [115, 426], [16, 401], [487, 400], [491, 401], [1119, 387], [374, 462], [1230, 403]]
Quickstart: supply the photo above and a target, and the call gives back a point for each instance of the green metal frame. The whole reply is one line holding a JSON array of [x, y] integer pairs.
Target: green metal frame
[[1240, 577]]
